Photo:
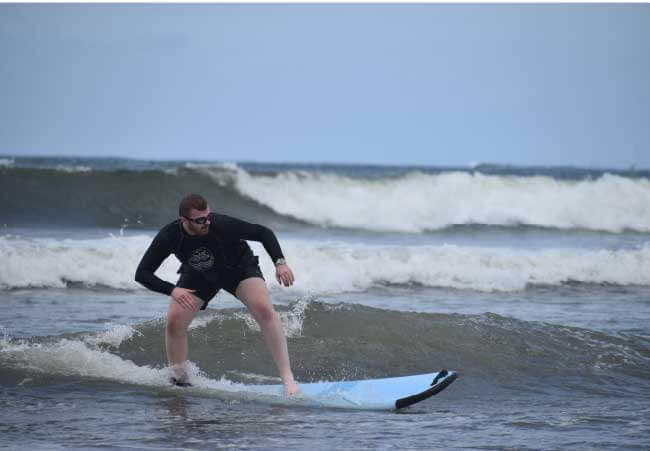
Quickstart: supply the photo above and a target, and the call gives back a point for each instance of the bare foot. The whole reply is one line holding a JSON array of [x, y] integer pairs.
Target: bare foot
[[291, 388]]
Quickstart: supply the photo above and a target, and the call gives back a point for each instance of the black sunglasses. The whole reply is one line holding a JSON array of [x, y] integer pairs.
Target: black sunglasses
[[200, 220]]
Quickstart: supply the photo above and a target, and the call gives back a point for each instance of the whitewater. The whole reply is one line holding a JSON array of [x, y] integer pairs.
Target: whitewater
[[342, 267], [418, 202]]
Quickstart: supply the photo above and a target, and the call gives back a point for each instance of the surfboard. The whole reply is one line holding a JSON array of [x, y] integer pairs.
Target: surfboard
[[369, 394]]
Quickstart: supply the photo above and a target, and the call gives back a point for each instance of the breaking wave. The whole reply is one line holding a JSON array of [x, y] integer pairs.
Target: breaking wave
[[419, 202], [412, 201], [330, 267]]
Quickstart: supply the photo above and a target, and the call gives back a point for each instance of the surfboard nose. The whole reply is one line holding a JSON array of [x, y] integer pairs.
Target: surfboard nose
[[442, 380], [441, 374]]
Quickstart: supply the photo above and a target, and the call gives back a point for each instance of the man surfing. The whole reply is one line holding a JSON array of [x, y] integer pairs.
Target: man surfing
[[215, 255]]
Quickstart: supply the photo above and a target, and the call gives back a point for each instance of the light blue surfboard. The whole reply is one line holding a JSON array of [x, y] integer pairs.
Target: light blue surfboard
[[371, 394]]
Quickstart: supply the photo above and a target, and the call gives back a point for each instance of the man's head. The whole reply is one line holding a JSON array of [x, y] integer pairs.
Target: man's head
[[193, 212]]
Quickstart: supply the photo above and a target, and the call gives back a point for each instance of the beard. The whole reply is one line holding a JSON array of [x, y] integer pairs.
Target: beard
[[196, 229]]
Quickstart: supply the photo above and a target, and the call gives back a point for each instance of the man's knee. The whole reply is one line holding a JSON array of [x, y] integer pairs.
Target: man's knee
[[254, 294], [261, 309], [177, 323]]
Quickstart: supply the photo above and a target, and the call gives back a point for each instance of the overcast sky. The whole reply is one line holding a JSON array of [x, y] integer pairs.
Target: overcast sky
[[425, 84]]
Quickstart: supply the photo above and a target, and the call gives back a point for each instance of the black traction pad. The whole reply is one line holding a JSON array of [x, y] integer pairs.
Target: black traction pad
[[436, 387]]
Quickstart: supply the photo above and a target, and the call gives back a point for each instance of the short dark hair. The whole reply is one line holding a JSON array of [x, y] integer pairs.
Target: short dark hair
[[195, 201]]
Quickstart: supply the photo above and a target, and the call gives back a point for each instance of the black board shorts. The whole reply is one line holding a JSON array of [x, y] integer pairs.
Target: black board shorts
[[227, 279]]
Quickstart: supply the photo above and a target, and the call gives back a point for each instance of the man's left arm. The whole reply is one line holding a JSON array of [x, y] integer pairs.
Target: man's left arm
[[257, 232]]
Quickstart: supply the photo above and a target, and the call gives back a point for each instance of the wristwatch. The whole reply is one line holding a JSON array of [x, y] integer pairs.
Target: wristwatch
[[280, 261]]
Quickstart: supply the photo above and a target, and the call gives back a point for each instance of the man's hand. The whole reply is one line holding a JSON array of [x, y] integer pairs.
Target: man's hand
[[184, 297], [284, 275]]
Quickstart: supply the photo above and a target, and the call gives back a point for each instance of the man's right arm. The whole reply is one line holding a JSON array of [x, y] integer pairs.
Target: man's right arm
[[158, 251]]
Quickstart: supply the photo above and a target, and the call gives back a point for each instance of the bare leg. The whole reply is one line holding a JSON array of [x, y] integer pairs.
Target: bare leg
[[178, 320], [252, 292]]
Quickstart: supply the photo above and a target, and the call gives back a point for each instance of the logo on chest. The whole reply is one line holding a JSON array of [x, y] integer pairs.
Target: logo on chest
[[201, 259]]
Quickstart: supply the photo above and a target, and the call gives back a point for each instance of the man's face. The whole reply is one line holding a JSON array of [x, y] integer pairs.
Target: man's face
[[190, 222]]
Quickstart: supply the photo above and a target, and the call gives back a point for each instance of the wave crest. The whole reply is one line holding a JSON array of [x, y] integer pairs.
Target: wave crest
[[412, 202], [419, 202]]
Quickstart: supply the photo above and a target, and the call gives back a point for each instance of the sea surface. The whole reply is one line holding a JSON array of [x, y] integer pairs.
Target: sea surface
[[532, 283]]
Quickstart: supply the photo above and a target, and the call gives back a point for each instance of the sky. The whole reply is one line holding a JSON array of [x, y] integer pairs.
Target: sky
[[419, 84]]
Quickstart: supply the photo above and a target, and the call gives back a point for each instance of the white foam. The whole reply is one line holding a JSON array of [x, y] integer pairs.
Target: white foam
[[112, 337], [224, 174], [323, 268], [418, 202], [292, 320], [77, 358], [203, 320], [54, 263], [78, 168], [7, 162], [342, 267]]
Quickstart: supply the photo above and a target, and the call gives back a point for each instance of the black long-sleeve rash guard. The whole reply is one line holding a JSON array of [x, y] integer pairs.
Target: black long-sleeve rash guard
[[222, 248]]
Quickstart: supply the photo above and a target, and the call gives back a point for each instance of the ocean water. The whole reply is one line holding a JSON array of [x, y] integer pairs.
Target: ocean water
[[532, 283]]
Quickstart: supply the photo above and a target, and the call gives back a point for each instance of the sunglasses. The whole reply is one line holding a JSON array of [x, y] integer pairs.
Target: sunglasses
[[200, 220]]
